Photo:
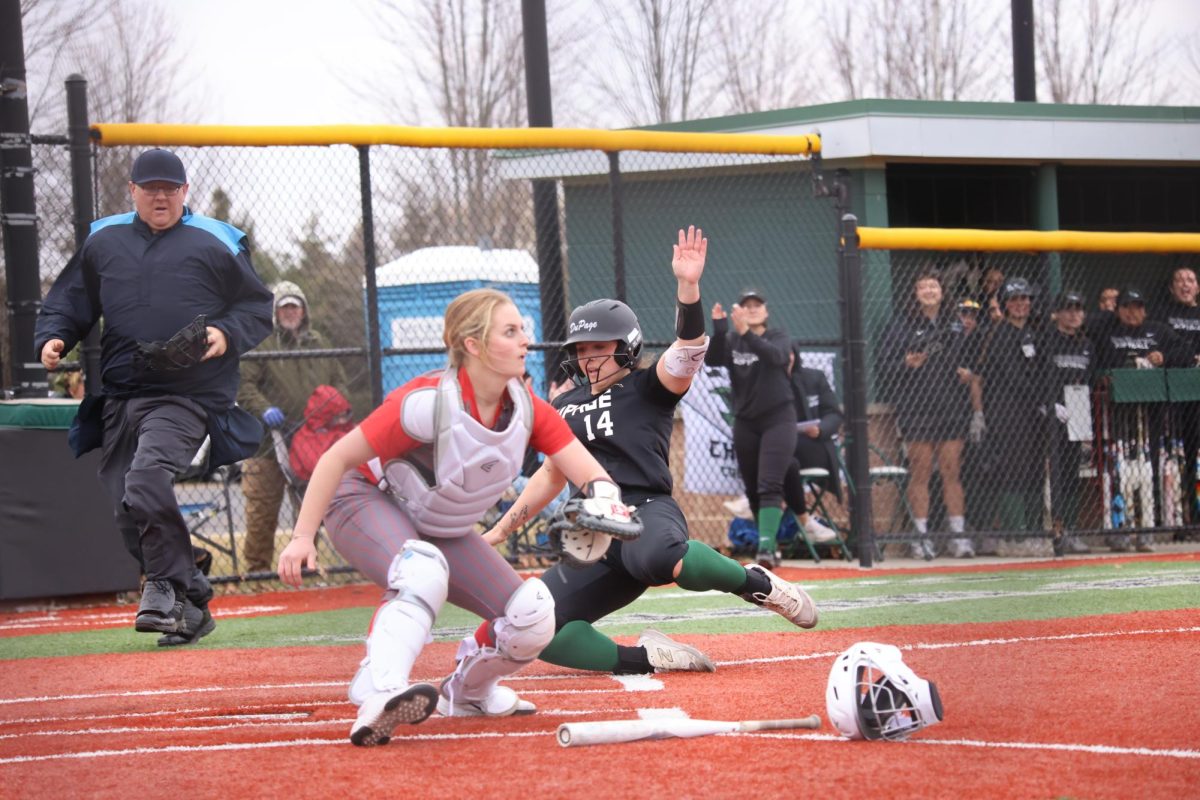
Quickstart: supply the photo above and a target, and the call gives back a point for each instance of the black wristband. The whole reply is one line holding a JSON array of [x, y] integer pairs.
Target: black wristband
[[689, 320]]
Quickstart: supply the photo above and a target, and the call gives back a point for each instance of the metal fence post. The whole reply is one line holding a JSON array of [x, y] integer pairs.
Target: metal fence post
[[618, 229], [83, 206], [374, 353], [855, 377], [18, 214]]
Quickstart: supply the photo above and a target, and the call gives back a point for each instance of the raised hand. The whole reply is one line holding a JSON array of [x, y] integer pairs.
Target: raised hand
[[689, 255], [718, 312], [737, 315]]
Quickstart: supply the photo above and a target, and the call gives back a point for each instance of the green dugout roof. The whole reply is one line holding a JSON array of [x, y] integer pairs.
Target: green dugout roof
[[867, 130]]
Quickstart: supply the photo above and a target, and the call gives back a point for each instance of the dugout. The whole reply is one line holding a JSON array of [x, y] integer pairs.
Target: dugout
[[907, 163], [57, 533], [411, 306]]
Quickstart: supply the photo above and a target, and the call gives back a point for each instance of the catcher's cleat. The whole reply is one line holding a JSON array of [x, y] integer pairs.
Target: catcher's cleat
[[785, 599], [194, 626], [500, 702], [668, 655], [160, 609], [382, 712]]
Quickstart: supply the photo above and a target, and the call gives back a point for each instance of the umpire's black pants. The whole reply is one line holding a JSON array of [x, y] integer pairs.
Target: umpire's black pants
[[147, 442]]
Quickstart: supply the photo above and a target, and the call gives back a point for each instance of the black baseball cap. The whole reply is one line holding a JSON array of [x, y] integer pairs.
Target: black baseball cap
[[1130, 296], [158, 165], [750, 294], [1070, 299]]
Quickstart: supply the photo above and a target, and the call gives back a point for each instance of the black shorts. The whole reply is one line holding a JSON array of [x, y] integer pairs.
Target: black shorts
[[627, 569]]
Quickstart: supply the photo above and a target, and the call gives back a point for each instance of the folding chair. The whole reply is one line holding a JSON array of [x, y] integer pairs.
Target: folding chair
[[294, 484], [896, 476], [812, 478]]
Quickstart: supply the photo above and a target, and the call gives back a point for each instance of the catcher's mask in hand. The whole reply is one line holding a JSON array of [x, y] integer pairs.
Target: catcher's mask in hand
[[185, 349]]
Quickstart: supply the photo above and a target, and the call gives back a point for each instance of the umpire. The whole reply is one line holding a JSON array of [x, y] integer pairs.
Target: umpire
[[156, 273]]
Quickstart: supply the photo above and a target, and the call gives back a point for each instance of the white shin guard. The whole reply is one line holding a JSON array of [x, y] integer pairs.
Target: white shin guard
[[525, 629], [401, 626]]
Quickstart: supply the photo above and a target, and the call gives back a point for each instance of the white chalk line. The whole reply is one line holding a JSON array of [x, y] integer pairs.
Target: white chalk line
[[1175, 753], [1100, 749]]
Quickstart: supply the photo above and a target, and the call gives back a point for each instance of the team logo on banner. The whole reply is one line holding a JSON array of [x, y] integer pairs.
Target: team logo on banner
[[710, 466]]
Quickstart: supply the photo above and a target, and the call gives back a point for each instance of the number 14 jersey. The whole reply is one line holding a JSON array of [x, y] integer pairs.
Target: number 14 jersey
[[627, 427]]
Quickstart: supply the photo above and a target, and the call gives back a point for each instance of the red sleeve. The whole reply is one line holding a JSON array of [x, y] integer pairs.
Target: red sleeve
[[550, 431], [382, 426]]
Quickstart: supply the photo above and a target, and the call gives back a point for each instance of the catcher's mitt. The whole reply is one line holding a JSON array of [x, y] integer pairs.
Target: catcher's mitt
[[600, 509], [577, 547], [585, 526], [183, 350]]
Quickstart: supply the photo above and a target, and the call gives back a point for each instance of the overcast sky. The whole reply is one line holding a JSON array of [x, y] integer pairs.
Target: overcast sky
[[267, 62]]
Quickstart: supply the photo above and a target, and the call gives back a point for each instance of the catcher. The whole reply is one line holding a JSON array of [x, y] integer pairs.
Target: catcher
[[624, 414], [181, 302], [401, 494]]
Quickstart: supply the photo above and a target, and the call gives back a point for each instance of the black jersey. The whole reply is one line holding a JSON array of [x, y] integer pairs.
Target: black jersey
[[1069, 360], [1123, 344], [627, 427], [1185, 321]]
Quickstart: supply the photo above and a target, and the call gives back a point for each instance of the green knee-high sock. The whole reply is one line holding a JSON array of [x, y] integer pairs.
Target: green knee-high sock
[[705, 568], [580, 646], [768, 526]]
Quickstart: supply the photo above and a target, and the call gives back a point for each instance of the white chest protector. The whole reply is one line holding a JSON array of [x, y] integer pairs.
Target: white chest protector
[[472, 465]]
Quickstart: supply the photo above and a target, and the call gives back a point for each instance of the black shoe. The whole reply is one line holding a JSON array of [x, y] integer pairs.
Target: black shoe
[[195, 625], [201, 591], [160, 609], [768, 559]]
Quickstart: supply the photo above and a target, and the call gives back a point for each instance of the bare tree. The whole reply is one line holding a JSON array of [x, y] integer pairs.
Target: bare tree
[[764, 58], [49, 29], [915, 49], [467, 67], [660, 46], [1091, 51]]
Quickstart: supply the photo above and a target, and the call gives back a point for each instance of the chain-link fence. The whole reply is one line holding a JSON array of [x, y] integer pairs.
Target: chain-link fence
[[1030, 403], [443, 220]]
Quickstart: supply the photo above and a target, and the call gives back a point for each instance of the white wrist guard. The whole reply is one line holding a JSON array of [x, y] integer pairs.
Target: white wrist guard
[[684, 361]]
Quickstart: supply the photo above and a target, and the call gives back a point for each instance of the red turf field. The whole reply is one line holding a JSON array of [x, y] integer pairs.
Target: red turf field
[[1097, 707]]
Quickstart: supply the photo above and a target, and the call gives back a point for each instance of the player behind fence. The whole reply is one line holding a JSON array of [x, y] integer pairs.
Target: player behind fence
[[764, 411], [400, 495], [624, 415], [277, 392]]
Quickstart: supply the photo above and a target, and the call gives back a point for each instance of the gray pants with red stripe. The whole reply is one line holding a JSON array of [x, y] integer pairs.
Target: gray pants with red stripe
[[368, 529]]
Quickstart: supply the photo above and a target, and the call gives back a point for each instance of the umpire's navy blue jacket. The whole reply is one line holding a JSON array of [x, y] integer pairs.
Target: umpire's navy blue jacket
[[148, 286]]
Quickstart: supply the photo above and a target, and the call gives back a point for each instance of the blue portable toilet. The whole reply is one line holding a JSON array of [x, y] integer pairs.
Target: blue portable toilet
[[415, 289]]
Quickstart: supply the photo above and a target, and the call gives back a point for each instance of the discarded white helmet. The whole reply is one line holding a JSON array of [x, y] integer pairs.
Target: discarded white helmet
[[873, 694]]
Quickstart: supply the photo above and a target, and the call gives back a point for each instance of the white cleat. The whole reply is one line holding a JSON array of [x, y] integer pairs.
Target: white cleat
[[785, 599], [382, 712], [668, 655], [818, 531], [501, 702]]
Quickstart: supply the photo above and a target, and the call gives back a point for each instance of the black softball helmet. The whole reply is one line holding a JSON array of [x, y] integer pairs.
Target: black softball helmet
[[603, 321], [1015, 287]]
